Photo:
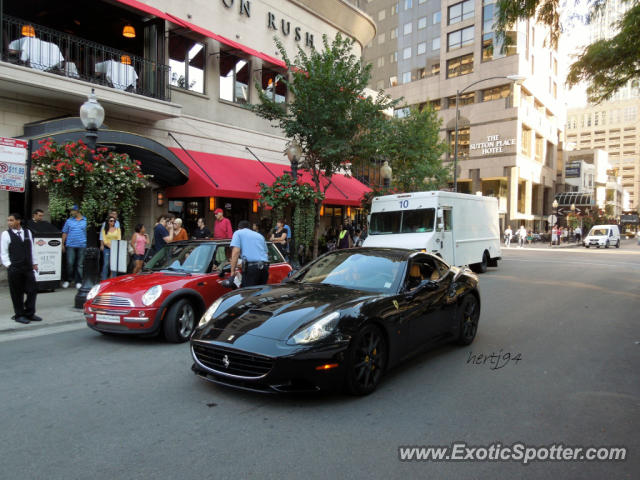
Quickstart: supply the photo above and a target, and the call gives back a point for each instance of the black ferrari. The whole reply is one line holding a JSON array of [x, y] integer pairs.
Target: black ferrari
[[341, 321]]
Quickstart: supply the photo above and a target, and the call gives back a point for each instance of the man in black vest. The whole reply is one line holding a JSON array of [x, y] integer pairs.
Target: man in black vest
[[17, 256]]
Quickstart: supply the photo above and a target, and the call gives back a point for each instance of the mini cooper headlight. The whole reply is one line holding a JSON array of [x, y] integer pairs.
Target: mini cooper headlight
[[210, 312], [151, 295], [93, 292], [317, 330]]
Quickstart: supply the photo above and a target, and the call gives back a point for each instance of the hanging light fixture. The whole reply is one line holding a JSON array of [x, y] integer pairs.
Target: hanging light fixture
[[254, 206], [125, 59], [128, 31], [28, 31]]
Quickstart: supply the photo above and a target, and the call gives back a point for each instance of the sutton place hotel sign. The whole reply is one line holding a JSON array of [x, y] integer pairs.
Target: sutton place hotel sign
[[493, 145]]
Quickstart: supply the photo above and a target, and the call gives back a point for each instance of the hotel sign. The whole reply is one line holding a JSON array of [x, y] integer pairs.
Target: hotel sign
[[494, 144], [572, 170]]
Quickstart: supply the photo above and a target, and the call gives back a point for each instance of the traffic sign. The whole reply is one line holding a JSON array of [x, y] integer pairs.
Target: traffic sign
[[552, 219]]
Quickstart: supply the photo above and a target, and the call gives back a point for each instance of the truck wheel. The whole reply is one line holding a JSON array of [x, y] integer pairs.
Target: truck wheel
[[493, 262], [606, 245], [482, 266], [618, 244]]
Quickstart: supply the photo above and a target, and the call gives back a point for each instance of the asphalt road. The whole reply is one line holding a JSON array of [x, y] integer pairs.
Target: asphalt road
[[77, 404]]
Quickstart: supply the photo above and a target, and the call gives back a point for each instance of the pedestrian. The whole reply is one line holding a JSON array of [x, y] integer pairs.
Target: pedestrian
[[202, 231], [554, 235], [17, 255], [74, 244], [522, 236], [530, 237], [288, 245], [109, 233], [508, 233], [221, 226], [279, 237], [357, 240], [365, 232], [162, 233], [37, 217], [565, 235], [112, 213], [179, 233], [578, 233], [252, 248], [139, 242], [344, 239]]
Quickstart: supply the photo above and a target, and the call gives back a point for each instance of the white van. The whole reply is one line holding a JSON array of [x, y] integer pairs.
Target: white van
[[462, 229], [603, 236]]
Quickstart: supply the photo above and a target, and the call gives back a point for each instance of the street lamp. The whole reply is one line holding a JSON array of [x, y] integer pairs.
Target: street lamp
[[385, 174], [555, 223], [514, 78], [92, 116], [294, 152]]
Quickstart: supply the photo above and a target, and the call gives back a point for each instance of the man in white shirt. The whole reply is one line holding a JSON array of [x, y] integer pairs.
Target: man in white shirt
[[508, 233], [16, 250], [522, 236]]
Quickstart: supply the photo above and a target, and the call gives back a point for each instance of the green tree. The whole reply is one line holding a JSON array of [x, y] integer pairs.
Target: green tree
[[606, 65], [329, 114], [415, 148]]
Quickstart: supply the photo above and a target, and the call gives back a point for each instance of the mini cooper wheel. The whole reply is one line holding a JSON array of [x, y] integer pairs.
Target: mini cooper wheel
[[469, 315], [179, 321], [367, 361]]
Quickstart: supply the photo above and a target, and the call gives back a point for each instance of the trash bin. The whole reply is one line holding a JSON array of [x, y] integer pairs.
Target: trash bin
[[47, 242]]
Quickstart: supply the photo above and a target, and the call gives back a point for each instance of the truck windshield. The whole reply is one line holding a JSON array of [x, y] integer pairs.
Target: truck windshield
[[404, 221]]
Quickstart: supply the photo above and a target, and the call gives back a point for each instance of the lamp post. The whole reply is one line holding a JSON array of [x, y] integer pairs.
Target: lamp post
[[385, 173], [294, 152], [513, 78], [92, 116]]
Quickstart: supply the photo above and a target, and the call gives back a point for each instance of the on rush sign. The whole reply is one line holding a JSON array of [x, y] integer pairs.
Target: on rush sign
[[13, 164]]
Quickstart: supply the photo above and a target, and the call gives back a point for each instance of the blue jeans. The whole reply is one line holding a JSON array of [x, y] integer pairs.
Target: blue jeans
[[75, 258], [106, 258]]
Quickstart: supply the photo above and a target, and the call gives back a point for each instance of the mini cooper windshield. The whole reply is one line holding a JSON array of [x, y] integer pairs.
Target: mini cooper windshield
[[186, 258], [359, 271]]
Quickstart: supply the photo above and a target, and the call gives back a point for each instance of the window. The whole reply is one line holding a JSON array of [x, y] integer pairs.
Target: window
[[406, 53], [460, 38], [465, 99], [422, 23], [435, 69], [420, 2], [555, 90], [382, 15], [408, 27], [379, 85], [408, 4], [491, 47], [436, 104], [460, 66], [394, 33], [533, 65], [496, 93], [273, 86], [435, 43], [463, 142], [630, 114], [234, 78], [539, 146], [436, 17], [401, 112], [406, 77], [421, 73], [525, 146], [393, 58], [393, 81], [381, 38], [380, 62], [422, 48], [460, 11], [555, 67], [187, 59]]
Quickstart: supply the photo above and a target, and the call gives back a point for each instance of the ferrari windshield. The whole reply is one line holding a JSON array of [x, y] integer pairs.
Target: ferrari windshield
[[187, 258], [356, 270]]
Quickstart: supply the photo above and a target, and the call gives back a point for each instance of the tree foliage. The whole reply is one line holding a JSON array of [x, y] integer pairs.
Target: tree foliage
[[329, 114], [606, 65]]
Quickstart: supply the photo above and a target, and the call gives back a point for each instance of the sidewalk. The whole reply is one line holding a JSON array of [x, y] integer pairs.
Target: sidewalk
[[539, 245], [55, 308]]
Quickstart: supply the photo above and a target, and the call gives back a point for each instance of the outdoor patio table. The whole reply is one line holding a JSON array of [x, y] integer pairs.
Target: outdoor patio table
[[120, 75], [38, 53]]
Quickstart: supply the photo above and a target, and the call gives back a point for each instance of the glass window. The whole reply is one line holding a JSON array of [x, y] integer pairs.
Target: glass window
[[408, 28], [406, 53], [394, 9], [496, 93], [234, 78], [422, 72], [465, 99], [381, 38], [460, 66], [408, 4], [401, 112], [380, 62], [273, 86], [189, 258], [436, 17], [405, 221], [274, 254], [435, 43], [422, 48], [394, 33], [460, 38], [393, 81], [187, 62], [422, 23], [461, 11], [446, 217], [406, 77], [435, 69], [463, 142], [393, 57], [382, 15], [526, 141]]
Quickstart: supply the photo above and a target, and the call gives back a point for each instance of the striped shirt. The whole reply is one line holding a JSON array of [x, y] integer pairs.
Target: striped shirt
[[76, 231]]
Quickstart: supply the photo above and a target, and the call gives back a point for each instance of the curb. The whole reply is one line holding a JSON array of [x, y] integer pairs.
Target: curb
[[38, 326]]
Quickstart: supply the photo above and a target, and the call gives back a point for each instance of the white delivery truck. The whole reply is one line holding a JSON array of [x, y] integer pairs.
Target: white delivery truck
[[462, 229]]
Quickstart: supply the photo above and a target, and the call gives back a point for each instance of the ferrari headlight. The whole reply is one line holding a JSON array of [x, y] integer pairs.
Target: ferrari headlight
[[317, 330], [210, 312], [151, 295], [93, 292]]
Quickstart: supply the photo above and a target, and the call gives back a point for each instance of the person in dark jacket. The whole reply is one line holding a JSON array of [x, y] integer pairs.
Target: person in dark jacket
[[17, 255]]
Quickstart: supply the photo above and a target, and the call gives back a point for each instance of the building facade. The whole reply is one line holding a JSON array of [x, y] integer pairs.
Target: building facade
[[174, 79], [509, 134]]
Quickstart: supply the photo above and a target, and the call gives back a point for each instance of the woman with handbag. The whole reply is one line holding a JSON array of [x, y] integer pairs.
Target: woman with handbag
[[110, 233], [139, 243]]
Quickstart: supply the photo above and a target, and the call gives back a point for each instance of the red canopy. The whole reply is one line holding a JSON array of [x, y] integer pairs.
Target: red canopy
[[240, 177]]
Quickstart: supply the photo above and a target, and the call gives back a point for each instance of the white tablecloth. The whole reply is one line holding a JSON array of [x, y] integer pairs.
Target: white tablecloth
[[120, 75], [40, 54]]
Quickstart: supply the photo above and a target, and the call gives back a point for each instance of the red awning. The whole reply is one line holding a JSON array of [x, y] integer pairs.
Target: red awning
[[239, 178], [143, 7], [226, 41]]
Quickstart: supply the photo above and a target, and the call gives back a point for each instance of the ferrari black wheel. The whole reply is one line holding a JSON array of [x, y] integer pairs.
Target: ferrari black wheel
[[469, 314], [367, 361]]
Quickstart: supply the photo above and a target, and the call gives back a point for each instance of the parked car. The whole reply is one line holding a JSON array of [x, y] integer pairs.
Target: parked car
[[171, 293], [341, 321], [603, 236]]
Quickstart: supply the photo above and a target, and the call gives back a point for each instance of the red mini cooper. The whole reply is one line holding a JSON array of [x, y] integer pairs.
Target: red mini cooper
[[172, 291]]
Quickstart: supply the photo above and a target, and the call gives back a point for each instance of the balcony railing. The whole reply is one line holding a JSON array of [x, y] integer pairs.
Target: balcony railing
[[49, 50]]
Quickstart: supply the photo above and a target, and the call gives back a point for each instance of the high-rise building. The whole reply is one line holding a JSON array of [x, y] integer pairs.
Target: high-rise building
[[509, 133]]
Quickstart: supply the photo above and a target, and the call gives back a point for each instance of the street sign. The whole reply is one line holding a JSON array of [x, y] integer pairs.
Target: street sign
[[552, 219], [13, 164]]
